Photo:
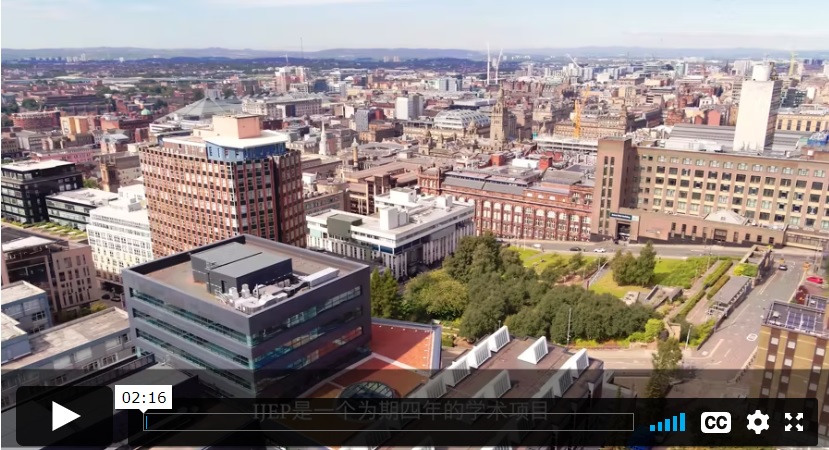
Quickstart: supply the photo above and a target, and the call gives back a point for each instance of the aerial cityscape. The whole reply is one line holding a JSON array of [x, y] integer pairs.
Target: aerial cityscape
[[367, 205]]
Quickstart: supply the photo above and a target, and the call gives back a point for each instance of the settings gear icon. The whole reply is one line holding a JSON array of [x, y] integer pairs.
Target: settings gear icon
[[758, 422]]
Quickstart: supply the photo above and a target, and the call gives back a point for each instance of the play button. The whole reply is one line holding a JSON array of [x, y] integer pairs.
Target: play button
[[62, 415], [69, 416]]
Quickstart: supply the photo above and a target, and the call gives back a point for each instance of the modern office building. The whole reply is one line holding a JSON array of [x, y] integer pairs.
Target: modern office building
[[691, 195], [248, 313], [62, 354], [461, 119], [408, 108], [791, 357], [25, 186], [28, 305], [757, 117], [282, 106], [71, 208], [361, 120], [409, 232], [232, 179], [61, 268], [119, 234]]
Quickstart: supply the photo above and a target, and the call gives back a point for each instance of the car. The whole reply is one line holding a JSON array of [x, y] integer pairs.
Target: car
[[575, 249], [600, 250], [783, 267], [815, 279]]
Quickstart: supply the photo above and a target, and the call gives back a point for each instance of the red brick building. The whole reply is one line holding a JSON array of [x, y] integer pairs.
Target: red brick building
[[37, 120], [520, 203]]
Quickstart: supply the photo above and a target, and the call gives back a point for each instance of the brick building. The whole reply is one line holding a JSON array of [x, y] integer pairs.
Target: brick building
[[695, 196], [37, 120], [229, 180], [520, 203]]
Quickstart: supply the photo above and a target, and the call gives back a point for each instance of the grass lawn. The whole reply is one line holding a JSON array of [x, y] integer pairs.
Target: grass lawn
[[525, 253], [666, 269]]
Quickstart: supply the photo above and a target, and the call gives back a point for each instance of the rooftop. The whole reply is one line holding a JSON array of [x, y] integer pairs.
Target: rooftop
[[10, 330], [411, 216], [26, 242], [267, 137], [18, 291], [294, 270], [29, 166], [403, 355], [72, 335], [85, 196], [806, 319]]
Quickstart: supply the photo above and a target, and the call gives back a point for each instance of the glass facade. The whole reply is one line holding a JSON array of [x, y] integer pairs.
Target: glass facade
[[259, 337]]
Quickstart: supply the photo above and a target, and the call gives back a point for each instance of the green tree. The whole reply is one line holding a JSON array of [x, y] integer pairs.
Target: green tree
[[385, 298], [482, 317], [576, 262], [11, 108], [198, 94], [623, 266], [228, 93], [90, 183], [645, 265], [458, 265], [665, 364], [7, 121], [29, 103], [435, 295], [97, 306]]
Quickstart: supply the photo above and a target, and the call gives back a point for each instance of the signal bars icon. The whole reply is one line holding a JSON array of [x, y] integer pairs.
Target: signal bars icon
[[675, 423]]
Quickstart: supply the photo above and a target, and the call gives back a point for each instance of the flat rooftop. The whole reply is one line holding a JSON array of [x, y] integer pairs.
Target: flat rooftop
[[419, 219], [176, 271], [26, 242], [86, 196], [10, 330], [28, 166], [72, 335], [806, 319], [18, 291]]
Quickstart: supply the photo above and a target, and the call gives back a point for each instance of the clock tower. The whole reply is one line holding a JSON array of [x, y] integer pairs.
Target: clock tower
[[499, 121]]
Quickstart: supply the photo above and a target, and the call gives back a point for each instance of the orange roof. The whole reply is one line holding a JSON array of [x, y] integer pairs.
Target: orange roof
[[403, 357], [408, 345]]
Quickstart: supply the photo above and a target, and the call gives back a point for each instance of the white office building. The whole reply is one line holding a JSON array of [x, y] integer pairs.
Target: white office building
[[408, 108], [119, 234], [409, 231], [759, 104]]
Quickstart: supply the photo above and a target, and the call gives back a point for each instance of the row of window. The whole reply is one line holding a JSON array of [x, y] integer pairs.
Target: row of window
[[259, 337], [731, 165]]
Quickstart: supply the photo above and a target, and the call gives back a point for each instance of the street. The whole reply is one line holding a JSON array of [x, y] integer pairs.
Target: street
[[666, 250], [733, 343]]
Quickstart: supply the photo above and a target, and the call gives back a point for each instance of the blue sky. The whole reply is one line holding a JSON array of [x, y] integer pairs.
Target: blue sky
[[279, 24]]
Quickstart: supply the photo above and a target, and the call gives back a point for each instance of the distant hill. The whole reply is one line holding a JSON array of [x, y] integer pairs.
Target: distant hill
[[403, 53]]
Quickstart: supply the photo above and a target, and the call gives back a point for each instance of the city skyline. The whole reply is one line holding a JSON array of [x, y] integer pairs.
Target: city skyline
[[320, 25]]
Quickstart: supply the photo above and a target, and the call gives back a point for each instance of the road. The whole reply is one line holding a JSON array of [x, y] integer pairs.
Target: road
[[733, 343], [666, 250]]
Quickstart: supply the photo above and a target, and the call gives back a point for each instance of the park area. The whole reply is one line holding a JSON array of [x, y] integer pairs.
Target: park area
[[668, 272], [540, 260]]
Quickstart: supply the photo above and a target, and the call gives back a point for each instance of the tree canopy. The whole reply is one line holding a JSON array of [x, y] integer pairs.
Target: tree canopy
[[629, 270], [385, 298], [665, 364]]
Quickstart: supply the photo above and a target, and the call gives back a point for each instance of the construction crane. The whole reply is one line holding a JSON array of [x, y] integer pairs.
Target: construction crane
[[792, 64], [577, 113]]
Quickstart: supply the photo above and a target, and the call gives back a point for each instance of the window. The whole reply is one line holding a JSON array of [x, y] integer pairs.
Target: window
[[757, 168], [83, 355], [91, 367], [790, 344], [40, 315], [820, 174]]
